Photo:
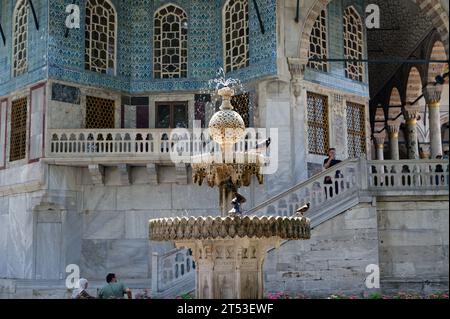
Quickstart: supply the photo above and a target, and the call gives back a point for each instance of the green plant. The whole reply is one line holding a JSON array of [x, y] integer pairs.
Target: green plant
[[186, 296]]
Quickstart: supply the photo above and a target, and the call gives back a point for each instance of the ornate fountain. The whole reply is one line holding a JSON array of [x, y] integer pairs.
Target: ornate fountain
[[229, 250]]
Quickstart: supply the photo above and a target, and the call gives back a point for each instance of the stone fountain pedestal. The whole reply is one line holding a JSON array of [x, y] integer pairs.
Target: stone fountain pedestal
[[229, 269], [229, 251]]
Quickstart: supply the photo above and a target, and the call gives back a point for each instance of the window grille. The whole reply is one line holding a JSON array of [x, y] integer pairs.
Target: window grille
[[170, 43], [318, 44], [356, 132], [99, 113], [236, 42], [20, 38], [18, 138], [100, 36], [353, 44], [317, 110]]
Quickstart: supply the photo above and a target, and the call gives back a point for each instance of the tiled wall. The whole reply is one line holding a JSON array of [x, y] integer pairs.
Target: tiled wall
[[134, 72], [335, 78], [37, 48]]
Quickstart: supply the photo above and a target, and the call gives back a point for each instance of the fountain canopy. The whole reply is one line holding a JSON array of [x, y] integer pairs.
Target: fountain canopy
[[226, 127]]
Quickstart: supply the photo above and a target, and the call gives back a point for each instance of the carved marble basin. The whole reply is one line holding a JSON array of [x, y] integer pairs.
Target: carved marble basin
[[200, 228], [229, 251]]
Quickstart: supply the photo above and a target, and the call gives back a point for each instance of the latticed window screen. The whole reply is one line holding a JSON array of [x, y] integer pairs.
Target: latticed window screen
[[170, 43], [100, 36], [318, 139], [20, 38], [318, 43], [18, 139], [236, 31], [356, 132], [99, 112], [241, 104], [353, 44]]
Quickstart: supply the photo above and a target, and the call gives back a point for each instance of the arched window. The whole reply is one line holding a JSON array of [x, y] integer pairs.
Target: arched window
[[353, 44], [356, 130], [20, 38], [235, 29], [318, 132], [100, 39], [170, 43], [318, 43]]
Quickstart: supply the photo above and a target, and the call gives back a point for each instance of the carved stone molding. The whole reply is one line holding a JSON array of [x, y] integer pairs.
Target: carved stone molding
[[152, 171], [201, 228], [338, 106], [393, 128], [296, 67], [379, 139], [97, 174], [411, 115], [125, 174], [181, 173], [432, 94]]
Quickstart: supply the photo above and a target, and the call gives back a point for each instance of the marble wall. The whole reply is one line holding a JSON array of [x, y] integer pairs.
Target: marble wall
[[19, 263], [414, 243], [333, 260]]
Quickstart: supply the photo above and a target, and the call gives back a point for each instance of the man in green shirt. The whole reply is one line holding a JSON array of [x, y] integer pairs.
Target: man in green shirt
[[114, 289]]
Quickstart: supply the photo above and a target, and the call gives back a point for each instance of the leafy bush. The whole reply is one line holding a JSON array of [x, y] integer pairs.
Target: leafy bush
[[399, 295]]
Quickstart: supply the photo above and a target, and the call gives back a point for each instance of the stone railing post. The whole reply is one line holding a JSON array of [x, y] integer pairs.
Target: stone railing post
[[155, 271], [363, 168], [432, 94], [393, 130], [410, 116]]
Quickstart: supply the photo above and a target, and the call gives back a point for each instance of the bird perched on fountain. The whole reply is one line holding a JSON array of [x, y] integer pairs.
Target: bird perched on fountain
[[236, 202], [302, 210], [260, 147], [265, 144]]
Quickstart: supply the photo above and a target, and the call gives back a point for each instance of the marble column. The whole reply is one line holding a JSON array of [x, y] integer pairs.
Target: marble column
[[393, 129], [410, 116], [379, 145], [432, 96], [298, 102]]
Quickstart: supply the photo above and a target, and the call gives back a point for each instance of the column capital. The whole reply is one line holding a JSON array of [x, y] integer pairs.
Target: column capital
[[296, 67], [379, 139], [393, 128], [432, 94], [411, 115]]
